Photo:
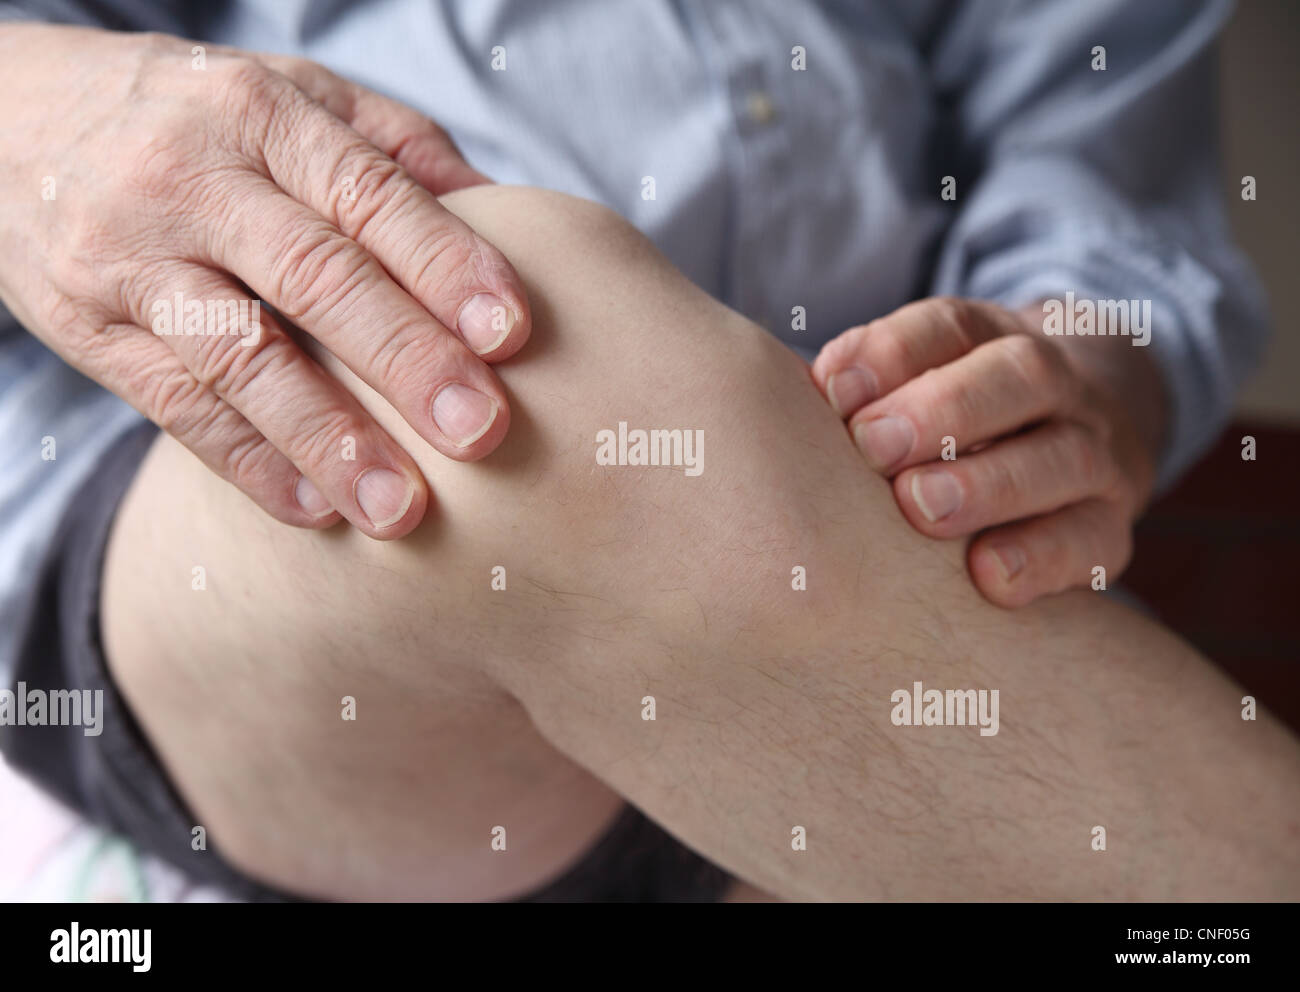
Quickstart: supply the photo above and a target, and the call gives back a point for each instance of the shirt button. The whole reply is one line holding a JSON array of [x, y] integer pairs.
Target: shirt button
[[760, 107]]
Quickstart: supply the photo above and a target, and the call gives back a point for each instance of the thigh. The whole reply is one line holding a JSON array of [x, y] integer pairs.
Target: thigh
[[327, 748]]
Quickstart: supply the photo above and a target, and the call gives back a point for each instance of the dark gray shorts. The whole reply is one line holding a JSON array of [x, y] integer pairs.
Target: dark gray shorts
[[116, 780]]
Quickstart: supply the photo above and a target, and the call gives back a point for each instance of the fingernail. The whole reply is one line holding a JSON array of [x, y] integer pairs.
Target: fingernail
[[1010, 558], [384, 496], [852, 388], [885, 440], [937, 494], [484, 322], [310, 498], [463, 414]]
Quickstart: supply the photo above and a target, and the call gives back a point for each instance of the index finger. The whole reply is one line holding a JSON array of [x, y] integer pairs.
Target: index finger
[[461, 279], [872, 360]]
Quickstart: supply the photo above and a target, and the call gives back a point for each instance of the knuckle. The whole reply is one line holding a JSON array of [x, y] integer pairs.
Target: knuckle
[[176, 402], [317, 440], [248, 461], [888, 348], [230, 367], [70, 324], [363, 186], [82, 329], [318, 270], [140, 286], [255, 98], [1002, 484], [252, 86], [958, 318], [840, 349], [216, 431], [410, 355], [852, 339], [947, 405], [445, 253], [303, 71], [1029, 361]]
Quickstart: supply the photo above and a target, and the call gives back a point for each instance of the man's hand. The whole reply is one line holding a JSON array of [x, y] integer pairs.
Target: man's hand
[[149, 185], [1051, 467]]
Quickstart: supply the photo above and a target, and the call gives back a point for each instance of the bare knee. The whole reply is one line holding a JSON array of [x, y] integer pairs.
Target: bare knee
[[656, 473]]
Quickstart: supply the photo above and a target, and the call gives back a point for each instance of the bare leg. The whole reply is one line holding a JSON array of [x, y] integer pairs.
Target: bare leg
[[772, 704]]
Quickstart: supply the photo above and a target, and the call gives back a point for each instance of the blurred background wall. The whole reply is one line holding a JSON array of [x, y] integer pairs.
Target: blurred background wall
[[1259, 111]]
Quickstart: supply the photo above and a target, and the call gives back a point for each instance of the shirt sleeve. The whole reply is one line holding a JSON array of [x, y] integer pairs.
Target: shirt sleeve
[[42, 397], [1103, 182]]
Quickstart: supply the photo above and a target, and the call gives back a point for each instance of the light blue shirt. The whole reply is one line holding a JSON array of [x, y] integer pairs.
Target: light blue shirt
[[776, 187]]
